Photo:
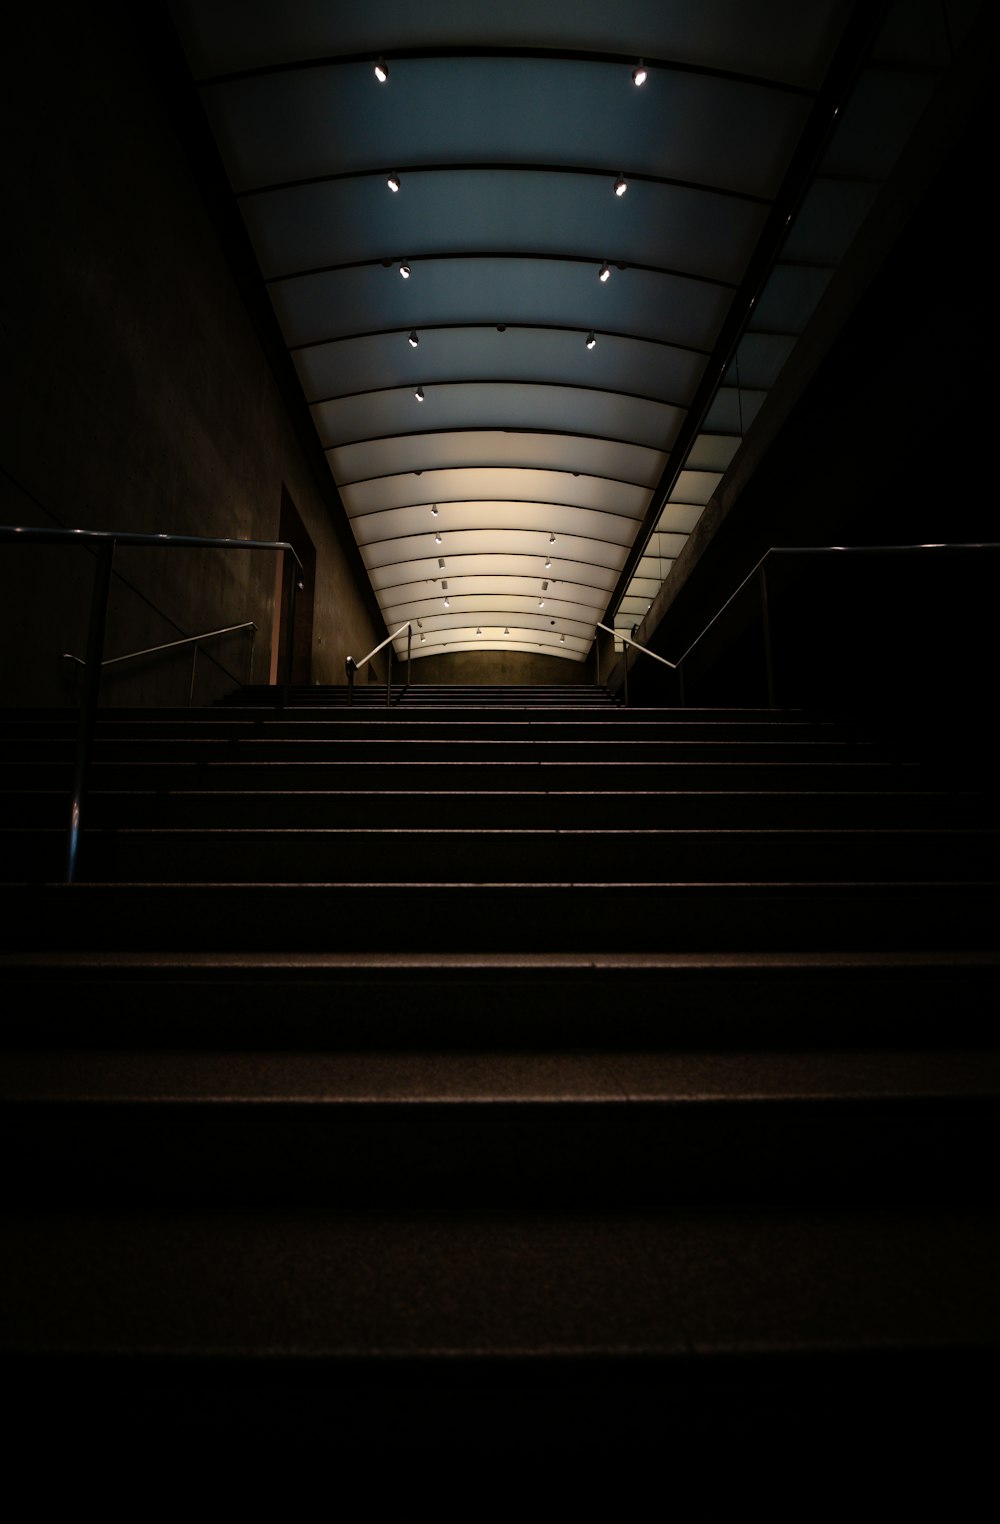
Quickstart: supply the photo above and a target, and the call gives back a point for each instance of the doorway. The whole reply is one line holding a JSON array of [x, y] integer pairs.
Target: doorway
[[292, 529]]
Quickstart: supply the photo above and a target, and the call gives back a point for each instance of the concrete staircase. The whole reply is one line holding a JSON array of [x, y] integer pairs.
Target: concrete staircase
[[508, 1070]]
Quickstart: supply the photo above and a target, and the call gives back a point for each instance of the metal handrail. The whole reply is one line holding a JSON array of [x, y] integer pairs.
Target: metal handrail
[[172, 645], [351, 666], [760, 568], [106, 542]]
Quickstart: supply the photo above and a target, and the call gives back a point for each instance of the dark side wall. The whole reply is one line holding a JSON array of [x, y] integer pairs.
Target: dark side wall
[[137, 394], [885, 445]]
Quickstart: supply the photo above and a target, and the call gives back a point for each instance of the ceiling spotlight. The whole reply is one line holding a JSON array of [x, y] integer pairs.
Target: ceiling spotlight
[[552, 539], [621, 185], [422, 639], [562, 640], [437, 539], [419, 394], [478, 630], [604, 274], [420, 624], [393, 182], [501, 328], [545, 587], [382, 73], [591, 341], [541, 603], [640, 73], [506, 630], [547, 565], [404, 271], [412, 339], [434, 509], [441, 562], [447, 603]]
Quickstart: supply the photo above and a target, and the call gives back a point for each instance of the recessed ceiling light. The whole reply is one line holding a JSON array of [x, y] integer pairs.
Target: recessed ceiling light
[[382, 73], [591, 340], [419, 394], [393, 182], [603, 275], [501, 328], [621, 185], [640, 73], [412, 339], [404, 271]]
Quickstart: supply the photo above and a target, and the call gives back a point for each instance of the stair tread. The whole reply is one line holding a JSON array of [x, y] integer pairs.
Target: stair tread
[[357, 1284], [473, 1077]]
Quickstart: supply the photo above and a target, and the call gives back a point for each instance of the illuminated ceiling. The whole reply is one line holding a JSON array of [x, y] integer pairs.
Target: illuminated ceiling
[[509, 482]]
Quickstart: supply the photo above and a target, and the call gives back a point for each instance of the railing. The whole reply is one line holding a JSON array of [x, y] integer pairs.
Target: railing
[[760, 571], [197, 641], [628, 641], [105, 542], [351, 666]]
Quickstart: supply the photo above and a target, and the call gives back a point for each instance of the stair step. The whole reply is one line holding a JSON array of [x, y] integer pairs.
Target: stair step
[[413, 776], [437, 1285], [422, 1130], [514, 917], [504, 855], [304, 809], [430, 1001]]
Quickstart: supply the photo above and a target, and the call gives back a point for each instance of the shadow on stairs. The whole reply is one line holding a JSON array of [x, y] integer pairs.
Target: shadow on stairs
[[561, 1085]]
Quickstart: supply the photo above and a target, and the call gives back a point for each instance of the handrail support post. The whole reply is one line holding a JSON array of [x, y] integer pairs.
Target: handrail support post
[[766, 624], [100, 594], [293, 580]]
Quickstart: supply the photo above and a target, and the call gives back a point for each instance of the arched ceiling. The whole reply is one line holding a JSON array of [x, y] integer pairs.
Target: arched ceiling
[[503, 474]]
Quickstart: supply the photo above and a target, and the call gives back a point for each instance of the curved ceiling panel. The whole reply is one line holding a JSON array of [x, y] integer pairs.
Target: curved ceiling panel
[[565, 409], [507, 361], [377, 361], [540, 487], [559, 452], [782, 40], [527, 545], [564, 293], [695, 128], [372, 528], [511, 212]]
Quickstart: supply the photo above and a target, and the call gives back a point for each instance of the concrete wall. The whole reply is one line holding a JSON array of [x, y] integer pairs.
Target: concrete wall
[[137, 392], [501, 667]]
